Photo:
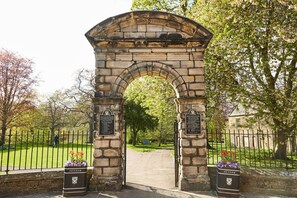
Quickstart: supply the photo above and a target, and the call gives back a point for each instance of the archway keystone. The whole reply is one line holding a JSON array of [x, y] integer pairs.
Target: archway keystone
[[152, 43]]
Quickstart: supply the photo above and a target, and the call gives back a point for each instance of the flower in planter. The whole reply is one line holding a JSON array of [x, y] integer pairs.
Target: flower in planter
[[228, 160], [76, 159]]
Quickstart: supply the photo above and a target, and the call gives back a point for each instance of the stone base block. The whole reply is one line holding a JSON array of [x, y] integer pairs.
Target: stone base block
[[195, 183], [105, 183]]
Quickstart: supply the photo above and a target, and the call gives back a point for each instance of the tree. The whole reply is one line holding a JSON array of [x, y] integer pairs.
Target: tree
[[137, 119], [52, 113], [27, 120], [157, 95], [82, 93], [174, 6], [252, 59], [16, 88]]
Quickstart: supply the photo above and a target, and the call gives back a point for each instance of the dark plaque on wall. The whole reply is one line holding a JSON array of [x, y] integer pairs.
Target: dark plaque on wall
[[106, 125], [193, 122]]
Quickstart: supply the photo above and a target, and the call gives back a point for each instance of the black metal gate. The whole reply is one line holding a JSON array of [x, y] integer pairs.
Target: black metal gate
[[176, 153], [124, 154]]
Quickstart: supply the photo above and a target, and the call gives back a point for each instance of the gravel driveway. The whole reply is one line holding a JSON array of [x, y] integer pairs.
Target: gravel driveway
[[151, 168]]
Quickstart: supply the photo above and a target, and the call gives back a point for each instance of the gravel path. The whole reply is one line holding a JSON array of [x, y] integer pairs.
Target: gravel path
[[154, 169]]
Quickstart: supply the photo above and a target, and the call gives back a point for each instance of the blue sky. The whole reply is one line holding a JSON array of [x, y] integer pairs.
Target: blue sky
[[51, 33]]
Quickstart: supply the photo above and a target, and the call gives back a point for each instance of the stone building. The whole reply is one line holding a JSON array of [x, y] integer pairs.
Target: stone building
[[246, 130]]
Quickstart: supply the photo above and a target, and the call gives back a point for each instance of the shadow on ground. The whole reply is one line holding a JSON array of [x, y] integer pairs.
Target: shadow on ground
[[133, 190]]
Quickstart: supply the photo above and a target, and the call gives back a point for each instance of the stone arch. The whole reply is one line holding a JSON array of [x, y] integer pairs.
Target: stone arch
[[152, 68], [154, 43]]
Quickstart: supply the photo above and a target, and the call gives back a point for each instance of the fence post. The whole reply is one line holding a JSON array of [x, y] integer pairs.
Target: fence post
[[8, 152]]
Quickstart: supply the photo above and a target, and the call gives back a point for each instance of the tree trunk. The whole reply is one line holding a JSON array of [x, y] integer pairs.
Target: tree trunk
[[91, 131], [281, 152], [160, 135], [134, 137], [3, 132], [294, 143], [52, 136]]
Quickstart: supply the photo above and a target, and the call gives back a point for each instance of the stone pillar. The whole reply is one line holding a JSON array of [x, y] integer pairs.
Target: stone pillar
[[107, 171], [193, 162]]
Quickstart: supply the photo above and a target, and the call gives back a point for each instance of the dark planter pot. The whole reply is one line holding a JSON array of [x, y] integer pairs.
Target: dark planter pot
[[75, 181], [227, 182]]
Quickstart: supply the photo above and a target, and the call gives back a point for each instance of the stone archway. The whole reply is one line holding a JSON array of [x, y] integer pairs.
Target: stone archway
[[149, 68], [152, 43]]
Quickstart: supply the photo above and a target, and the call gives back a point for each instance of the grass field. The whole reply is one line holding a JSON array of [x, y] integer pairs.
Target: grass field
[[251, 157], [149, 147], [35, 157]]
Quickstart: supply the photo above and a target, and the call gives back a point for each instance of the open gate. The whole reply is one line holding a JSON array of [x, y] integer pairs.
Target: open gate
[[124, 154], [176, 153]]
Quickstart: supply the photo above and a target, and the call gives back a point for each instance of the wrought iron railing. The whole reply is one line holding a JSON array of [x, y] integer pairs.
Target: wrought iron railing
[[28, 150], [256, 149]]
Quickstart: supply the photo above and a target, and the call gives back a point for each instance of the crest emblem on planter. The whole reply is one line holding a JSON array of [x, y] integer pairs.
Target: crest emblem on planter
[[229, 181], [74, 180]]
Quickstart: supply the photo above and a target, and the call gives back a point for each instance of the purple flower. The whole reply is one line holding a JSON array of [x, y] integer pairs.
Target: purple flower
[[227, 164], [76, 164], [228, 160]]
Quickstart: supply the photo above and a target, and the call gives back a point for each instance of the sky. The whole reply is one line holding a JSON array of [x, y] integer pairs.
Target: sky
[[51, 34]]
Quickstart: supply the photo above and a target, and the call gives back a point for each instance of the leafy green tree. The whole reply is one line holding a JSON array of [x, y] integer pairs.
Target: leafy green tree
[[181, 7], [252, 59], [52, 113], [137, 119], [27, 120], [157, 96]]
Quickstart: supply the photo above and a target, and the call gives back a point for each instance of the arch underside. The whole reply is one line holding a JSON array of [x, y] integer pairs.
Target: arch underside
[[149, 68]]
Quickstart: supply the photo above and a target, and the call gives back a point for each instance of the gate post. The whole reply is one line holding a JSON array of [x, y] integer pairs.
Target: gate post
[[107, 172], [193, 145]]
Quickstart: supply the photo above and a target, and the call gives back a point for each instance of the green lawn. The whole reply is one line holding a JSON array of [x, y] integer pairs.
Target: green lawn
[[149, 147], [34, 157], [251, 157]]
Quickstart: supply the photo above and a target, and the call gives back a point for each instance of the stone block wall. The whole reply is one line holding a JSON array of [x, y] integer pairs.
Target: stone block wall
[[276, 184], [31, 183], [116, 69], [270, 182]]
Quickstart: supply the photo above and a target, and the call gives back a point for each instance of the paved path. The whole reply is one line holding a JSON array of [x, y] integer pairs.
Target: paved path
[[154, 169]]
